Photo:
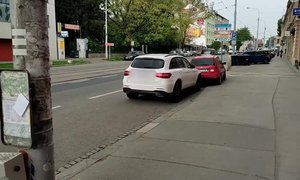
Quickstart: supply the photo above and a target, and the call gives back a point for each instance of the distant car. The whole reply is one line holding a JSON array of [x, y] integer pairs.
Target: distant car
[[210, 67], [258, 57], [219, 52], [208, 52], [132, 54], [160, 74]]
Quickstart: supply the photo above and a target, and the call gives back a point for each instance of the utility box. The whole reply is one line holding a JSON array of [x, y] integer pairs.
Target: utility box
[[12, 166]]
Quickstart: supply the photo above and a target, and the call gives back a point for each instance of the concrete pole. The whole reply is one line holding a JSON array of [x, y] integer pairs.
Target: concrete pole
[[31, 15], [106, 33], [256, 45], [234, 24]]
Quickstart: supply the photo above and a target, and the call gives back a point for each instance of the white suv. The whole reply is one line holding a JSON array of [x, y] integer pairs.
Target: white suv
[[160, 74]]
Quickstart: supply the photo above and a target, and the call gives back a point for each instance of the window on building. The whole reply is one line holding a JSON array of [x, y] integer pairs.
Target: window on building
[[4, 11]]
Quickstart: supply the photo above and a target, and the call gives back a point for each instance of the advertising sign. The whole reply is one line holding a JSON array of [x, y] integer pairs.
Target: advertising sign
[[223, 26], [16, 108], [72, 26]]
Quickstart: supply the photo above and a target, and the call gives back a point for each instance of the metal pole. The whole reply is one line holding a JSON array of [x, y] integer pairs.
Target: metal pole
[[256, 46], [106, 33], [234, 26]]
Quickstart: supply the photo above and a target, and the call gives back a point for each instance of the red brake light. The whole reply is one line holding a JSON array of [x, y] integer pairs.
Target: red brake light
[[126, 73], [163, 75]]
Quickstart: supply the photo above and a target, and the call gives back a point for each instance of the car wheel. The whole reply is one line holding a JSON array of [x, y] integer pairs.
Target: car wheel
[[198, 84], [132, 95], [176, 95], [224, 76]]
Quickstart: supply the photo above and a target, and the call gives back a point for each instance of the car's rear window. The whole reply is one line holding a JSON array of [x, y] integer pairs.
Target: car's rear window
[[148, 63], [203, 62]]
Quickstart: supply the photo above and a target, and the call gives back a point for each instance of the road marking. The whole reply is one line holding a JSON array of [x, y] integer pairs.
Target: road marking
[[106, 94], [108, 76], [56, 107]]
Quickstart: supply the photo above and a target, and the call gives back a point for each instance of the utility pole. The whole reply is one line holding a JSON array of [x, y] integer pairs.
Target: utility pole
[[234, 24], [106, 33], [257, 32], [31, 15]]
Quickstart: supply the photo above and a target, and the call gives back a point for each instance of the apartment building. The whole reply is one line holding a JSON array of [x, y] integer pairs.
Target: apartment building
[[290, 32], [5, 30]]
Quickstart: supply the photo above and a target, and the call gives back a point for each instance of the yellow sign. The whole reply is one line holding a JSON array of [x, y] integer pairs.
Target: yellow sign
[[61, 44], [58, 27]]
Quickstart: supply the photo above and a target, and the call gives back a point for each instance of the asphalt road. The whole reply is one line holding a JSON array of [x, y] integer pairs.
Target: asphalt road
[[90, 109], [92, 112]]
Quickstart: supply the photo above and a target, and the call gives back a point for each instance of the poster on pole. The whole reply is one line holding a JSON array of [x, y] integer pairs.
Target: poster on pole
[[16, 108]]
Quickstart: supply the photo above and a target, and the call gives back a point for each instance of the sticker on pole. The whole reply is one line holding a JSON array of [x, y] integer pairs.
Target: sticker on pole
[[15, 108]]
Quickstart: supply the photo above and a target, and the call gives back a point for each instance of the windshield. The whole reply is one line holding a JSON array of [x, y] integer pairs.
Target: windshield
[[148, 63], [203, 62]]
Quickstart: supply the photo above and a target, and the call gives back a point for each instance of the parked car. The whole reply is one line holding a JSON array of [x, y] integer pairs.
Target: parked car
[[208, 51], [211, 68], [160, 74], [257, 57], [221, 51], [132, 54]]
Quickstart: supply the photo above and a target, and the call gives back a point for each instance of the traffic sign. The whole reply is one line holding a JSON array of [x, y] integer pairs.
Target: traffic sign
[[223, 39], [109, 44], [296, 11], [234, 36]]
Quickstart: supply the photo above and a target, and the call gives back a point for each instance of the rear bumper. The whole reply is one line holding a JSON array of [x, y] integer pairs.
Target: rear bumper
[[210, 75], [157, 93]]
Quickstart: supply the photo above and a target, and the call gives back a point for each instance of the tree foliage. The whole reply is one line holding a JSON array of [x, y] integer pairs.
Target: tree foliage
[[243, 34], [279, 25], [216, 45], [153, 22]]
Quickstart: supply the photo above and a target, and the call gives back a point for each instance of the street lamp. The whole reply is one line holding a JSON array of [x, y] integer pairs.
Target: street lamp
[[265, 28], [106, 33], [255, 44], [234, 26]]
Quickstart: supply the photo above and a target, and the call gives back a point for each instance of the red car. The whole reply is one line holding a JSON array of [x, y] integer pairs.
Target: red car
[[210, 67]]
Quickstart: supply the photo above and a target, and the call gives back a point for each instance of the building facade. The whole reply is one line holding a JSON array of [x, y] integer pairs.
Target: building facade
[[5, 32], [290, 33]]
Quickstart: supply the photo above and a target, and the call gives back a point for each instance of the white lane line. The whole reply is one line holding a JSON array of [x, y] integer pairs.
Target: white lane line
[[106, 94], [56, 107], [108, 76]]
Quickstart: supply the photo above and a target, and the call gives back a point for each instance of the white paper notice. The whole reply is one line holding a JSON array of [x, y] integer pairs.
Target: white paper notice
[[21, 105]]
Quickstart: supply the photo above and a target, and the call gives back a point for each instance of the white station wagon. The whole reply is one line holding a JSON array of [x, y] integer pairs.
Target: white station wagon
[[160, 74]]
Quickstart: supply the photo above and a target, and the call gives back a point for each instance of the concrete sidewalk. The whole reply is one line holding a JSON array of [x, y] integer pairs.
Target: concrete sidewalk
[[246, 129]]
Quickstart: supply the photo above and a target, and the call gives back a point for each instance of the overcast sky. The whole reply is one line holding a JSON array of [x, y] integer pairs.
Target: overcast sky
[[270, 12]]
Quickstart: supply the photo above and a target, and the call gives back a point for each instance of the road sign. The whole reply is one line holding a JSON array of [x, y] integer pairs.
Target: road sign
[[223, 39], [64, 34], [234, 36], [296, 11], [109, 44]]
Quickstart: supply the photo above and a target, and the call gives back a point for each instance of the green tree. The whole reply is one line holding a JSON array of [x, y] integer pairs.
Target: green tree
[[216, 45], [186, 14], [143, 21], [279, 25], [243, 34]]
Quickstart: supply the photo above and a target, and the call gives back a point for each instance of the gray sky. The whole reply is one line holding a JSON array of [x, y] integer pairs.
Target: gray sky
[[270, 12]]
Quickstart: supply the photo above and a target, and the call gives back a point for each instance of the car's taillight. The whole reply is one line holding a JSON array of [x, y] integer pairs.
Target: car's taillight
[[126, 73], [212, 70], [163, 75]]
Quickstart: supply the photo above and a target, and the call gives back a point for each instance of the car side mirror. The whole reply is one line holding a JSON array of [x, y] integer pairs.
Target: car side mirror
[[192, 66]]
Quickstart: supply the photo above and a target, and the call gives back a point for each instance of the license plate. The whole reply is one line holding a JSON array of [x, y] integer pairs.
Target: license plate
[[203, 70]]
